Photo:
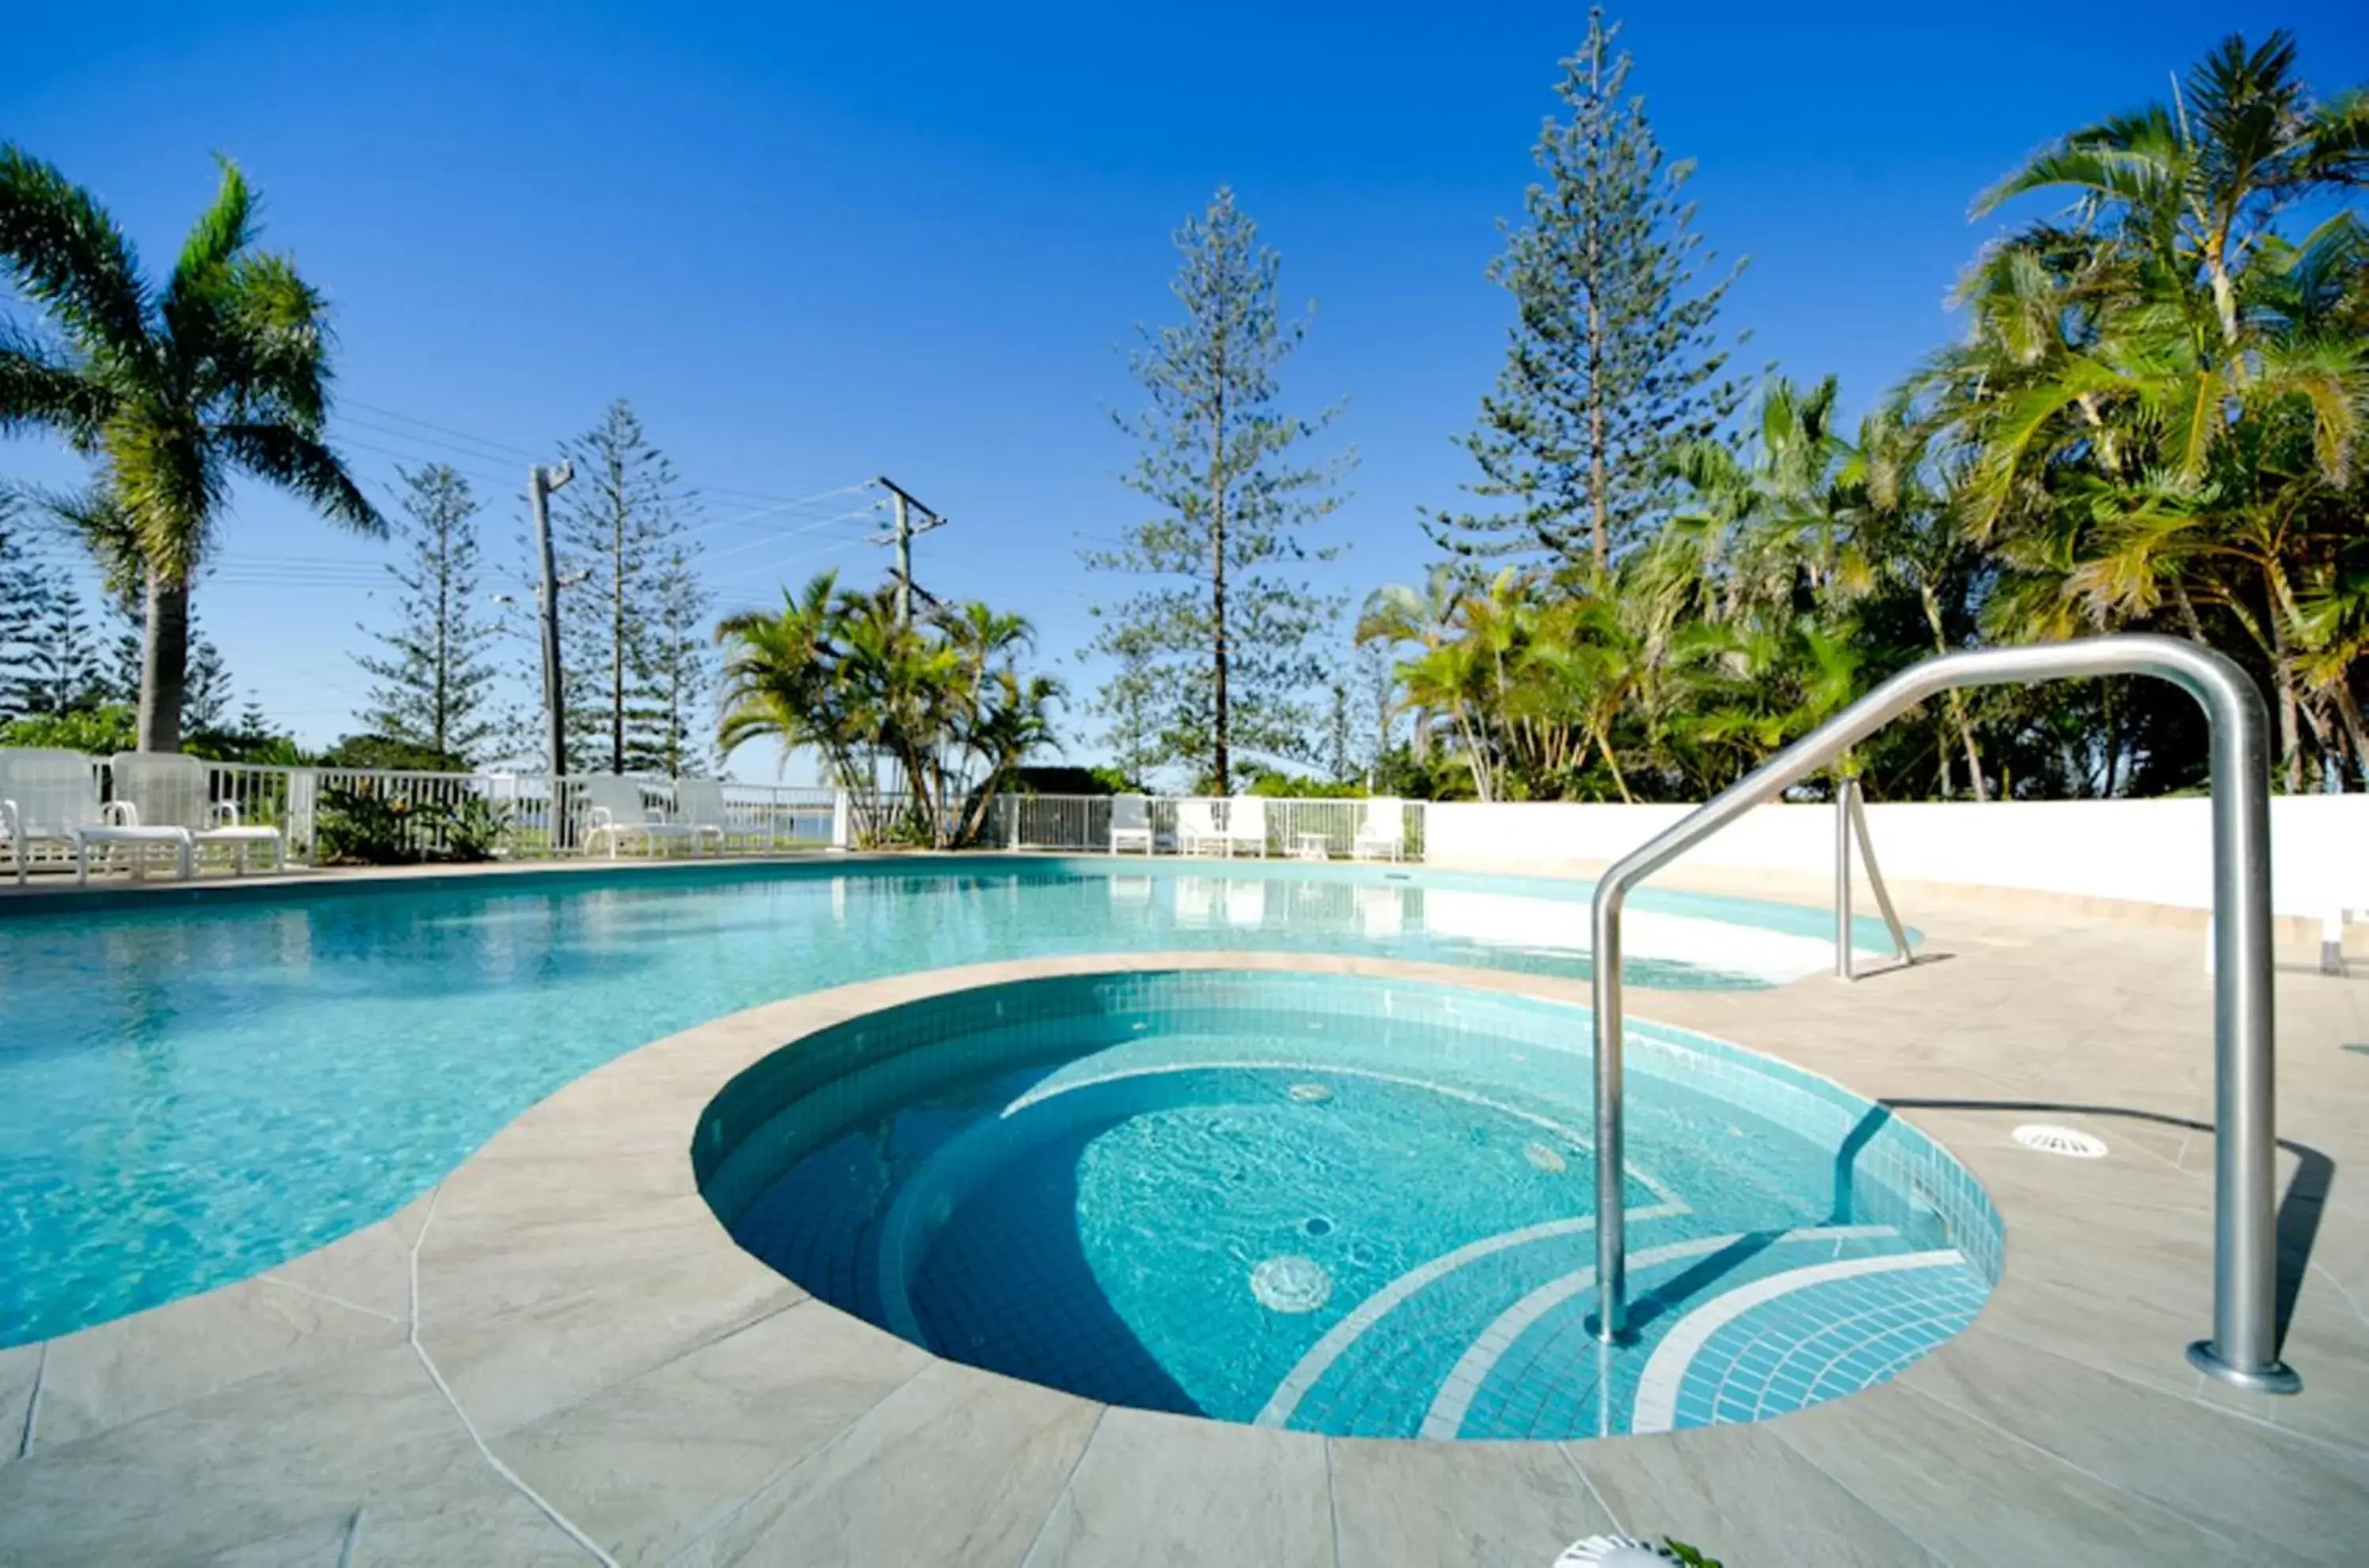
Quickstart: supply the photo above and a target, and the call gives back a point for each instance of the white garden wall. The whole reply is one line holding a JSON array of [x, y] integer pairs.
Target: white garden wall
[[2153, 852]]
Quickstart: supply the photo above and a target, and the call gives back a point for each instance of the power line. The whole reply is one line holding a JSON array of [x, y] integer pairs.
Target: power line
[[489, 478], [784, 507], [767, 567], [396, 432], [519, 452], [710, 555], [491, 446]]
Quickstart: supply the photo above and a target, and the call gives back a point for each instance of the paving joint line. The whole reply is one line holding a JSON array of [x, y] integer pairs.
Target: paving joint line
[[1588, 1482], [1069, 1487], [566, 1524], [2142, 1499], [782, 1473], [33, 1401], [1777, 1430], [1331, 1501], [324, 1296]]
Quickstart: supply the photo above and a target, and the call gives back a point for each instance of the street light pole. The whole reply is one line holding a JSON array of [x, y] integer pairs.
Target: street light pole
[[540, 483]]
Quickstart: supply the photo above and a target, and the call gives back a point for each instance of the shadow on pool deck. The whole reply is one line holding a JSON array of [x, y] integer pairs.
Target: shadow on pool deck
[[2299, 1210]]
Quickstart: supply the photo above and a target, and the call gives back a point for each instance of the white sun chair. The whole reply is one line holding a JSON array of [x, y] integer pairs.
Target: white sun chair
[[52, 797], [1130, 822], [698, 806], [1196, 826], [619, 812], [166, 789], [1246, 825], [1382, 834]]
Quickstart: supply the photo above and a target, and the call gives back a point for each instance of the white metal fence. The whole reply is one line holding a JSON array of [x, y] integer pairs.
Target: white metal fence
[[521, 815], [1311, 829], [518, 816]]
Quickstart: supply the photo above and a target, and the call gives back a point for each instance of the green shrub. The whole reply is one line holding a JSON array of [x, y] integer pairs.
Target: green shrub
[[100, 731], [360, 826]]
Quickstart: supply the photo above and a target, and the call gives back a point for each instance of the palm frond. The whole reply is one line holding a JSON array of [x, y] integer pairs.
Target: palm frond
[[66, 254], [295, 461]]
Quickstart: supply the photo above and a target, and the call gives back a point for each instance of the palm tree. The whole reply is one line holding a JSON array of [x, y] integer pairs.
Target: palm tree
[[2162, 396], [939, 697], [221, 372], [1398, 614], [2193, 185]]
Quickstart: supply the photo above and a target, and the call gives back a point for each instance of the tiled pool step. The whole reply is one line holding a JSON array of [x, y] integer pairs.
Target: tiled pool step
[[1499, 1346]]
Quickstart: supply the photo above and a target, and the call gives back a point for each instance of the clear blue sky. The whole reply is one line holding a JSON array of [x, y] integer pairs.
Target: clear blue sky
[[817, 243]]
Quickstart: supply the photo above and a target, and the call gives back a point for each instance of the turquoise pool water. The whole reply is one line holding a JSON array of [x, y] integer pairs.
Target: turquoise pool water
[[1351, 1206], [195, 1088]]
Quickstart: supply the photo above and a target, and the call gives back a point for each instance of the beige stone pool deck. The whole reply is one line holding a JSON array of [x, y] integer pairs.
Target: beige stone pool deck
[[557, 1355]]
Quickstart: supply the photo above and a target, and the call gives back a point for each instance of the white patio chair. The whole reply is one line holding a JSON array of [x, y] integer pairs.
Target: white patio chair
[[1196, 827], [1382, 834], [618, 812], [166, 789], [1130, 822], [52, 797], [698, 806], [1246, 825]]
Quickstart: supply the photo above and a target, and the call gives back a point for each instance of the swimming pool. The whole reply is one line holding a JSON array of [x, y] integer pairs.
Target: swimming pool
[[195, 1086], [1356, 1206]]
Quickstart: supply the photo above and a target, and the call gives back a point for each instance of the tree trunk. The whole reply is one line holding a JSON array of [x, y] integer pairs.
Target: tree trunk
[[1957, 699], [443, 716], [2349, 712], [617, 643], [1221, 718], [1598, 479], [2290, 744], [164, 665]]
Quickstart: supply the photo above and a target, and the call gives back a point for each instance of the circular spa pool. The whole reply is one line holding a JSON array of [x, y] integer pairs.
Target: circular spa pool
[[1347, 1206]]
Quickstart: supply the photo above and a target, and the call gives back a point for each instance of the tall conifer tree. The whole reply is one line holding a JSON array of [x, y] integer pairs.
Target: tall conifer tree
[[1228, 625], [619, 524], [434, 678], [1614, 357]]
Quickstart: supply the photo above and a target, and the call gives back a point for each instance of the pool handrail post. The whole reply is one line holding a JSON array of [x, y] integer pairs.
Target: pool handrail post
[[1850, 825], [2243, 1348], [1842, 876]]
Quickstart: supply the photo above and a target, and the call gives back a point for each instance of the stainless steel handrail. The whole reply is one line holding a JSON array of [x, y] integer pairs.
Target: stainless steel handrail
[[1851, 817], [2244, 1346]]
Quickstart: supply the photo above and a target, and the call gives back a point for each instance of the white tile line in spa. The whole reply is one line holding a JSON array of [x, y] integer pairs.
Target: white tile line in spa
[[1656, 1406], [1449, 1406], [566, 1524], [1319, 1358]]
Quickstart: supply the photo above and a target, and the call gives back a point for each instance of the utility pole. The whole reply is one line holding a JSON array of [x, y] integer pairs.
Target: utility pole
[[904, 505], [540, 483]]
